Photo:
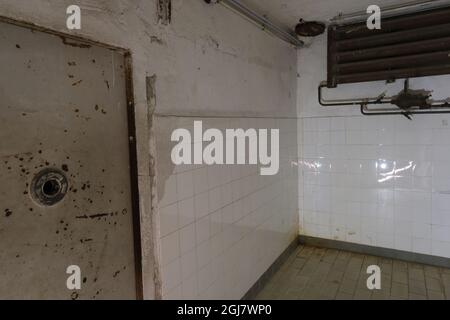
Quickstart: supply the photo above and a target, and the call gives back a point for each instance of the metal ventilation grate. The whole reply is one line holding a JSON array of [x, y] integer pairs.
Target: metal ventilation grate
[[414, 45]]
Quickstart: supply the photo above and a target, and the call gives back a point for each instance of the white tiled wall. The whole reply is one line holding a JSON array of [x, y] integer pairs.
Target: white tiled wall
[[381, 181], [223, 226]]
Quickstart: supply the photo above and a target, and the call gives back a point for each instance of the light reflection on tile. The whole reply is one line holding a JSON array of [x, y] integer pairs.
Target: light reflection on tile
[[388, 180]]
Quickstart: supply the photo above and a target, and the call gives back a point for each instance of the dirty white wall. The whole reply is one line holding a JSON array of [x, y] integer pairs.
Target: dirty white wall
[[288, 12], [208, 62], [381, 181]]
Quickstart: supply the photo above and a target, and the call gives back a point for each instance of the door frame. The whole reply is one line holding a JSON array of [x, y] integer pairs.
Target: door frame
[[82, 42]]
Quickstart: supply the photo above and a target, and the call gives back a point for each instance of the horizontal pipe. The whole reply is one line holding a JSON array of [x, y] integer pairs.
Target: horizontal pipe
[[348, 102], [264, 23], [365, 110], [410, 48], [410, 35], [437, 107], [411, 62], [411, 21], [396, 110], [394, 74]]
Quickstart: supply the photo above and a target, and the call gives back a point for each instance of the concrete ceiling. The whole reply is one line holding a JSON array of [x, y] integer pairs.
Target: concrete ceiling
[[288, 12]]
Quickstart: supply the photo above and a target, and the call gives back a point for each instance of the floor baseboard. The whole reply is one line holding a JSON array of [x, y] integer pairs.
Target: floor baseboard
[[262, 281], [346, 246], [377, 251]]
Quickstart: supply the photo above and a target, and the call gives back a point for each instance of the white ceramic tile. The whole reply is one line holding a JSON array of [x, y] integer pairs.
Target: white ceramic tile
[[215, 199], [189, 288], [169, 194], [216, 222], [421, 230], [201, 205], [169, 219], [226, 194], [337, 124], [203, 229], [440, 217], [200, 177], [217, 245], [174, 294], [323, 124], [386, 168], [204, 280], [338, 137], [403, 228], [403, 243], [231, 223], [422, 246], [441, 249], [188, 240], [170, 248], [188, 265], [186, 212], [385, 240], [441, 233], [185, 185], [203, 254], [171, 276]]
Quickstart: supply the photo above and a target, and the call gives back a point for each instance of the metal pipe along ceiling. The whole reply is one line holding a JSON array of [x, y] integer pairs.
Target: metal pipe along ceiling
[[262, 22]]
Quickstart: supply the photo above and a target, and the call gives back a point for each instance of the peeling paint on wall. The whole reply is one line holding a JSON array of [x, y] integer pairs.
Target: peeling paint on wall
[[154, 220]]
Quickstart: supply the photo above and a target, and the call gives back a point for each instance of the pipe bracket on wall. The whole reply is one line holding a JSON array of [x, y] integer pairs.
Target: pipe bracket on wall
[[412, 43], [407, 103]]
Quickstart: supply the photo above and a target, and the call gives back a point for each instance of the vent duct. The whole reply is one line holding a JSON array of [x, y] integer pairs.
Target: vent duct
[[413, 45], [408, 46]]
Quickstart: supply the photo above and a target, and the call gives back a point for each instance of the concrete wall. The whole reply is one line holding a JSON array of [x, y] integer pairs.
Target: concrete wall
[[381, 181], [208, 62]]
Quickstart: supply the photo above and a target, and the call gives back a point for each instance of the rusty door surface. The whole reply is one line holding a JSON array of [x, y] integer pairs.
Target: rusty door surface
[[65, 192]]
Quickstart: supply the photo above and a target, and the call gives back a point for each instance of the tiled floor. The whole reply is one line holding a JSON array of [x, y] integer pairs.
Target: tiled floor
[[317, 273]]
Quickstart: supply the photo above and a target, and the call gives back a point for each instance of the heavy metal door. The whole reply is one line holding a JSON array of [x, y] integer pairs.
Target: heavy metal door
[[65, 193]]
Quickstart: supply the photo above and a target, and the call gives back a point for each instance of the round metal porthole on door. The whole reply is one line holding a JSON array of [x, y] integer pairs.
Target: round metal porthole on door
[[49, 187]]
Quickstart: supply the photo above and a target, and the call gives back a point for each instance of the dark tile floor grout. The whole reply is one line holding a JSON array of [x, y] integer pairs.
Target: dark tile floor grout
[[317, 273]]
